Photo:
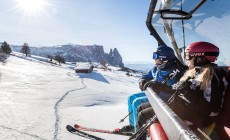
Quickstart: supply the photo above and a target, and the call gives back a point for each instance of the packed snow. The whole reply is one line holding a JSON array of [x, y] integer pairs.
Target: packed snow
[[38, 99]]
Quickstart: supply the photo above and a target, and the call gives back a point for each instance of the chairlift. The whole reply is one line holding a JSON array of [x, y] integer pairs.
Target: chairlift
[[178, 15], [171, 125]]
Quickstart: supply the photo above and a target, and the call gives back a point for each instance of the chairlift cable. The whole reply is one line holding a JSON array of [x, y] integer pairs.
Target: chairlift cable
[[182, 22]]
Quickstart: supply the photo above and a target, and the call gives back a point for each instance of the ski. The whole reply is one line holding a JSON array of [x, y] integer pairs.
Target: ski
[[82, 134], [115, 131]]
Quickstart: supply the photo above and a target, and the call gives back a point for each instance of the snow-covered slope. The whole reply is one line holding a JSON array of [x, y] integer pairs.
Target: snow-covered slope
[[38, 100]]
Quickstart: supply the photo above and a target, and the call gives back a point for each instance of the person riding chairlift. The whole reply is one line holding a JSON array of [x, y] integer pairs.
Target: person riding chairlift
[[207, 80], [166, 65]]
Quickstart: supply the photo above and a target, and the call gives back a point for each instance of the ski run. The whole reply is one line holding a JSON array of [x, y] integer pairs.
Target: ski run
[[38, 100]]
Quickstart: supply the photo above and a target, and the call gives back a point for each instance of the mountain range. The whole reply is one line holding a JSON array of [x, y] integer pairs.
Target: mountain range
[[78, 53]]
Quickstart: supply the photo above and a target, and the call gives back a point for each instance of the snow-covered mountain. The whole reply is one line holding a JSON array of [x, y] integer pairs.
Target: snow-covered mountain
[[78, 53], [38, 99]]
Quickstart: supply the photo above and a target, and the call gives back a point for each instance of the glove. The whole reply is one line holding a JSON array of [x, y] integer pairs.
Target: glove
[[152, 84], [142, 83], [158, 86]]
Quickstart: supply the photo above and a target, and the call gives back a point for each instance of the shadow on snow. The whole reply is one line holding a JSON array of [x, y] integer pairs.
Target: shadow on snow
[[94, 75]]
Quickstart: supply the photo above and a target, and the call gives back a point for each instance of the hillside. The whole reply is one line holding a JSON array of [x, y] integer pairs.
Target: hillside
[[39, 99]]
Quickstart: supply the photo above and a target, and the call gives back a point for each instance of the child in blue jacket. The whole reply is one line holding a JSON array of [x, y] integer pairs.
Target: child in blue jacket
[[168, 69]]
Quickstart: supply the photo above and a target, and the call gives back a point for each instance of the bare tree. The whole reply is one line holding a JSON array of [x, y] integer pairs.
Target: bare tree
[[59, 58], [25, 49]]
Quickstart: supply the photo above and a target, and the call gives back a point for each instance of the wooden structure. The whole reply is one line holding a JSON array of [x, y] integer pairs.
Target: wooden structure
[[83, 67]]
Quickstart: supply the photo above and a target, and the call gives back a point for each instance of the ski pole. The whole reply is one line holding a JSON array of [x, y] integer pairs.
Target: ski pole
[[205, 135], [122, 120], [142, 130]]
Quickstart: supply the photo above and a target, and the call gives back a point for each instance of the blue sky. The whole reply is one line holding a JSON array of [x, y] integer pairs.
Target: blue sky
[[110, 23]]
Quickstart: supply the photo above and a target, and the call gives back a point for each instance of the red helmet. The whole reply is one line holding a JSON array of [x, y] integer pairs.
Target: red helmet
[[210, 51]]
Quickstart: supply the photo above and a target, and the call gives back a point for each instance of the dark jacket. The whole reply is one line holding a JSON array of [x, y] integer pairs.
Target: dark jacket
[[196, 105]]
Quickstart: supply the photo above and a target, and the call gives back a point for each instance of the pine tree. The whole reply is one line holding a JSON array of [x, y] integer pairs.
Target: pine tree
[[5, 47], [25, 49]]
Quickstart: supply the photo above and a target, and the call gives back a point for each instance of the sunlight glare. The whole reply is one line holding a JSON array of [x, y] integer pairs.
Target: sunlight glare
[[32, 7]]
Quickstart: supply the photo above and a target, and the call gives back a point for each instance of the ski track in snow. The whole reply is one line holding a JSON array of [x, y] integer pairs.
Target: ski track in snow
[[21, 132], [57, 105]]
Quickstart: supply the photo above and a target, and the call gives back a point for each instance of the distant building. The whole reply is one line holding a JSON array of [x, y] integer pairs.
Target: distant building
[[83, 67]]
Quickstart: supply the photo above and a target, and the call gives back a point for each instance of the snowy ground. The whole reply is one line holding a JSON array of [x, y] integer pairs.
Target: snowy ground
[[38, 100]]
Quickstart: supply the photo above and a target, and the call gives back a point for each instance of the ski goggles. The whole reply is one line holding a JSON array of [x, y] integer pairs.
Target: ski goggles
[[155, 55]]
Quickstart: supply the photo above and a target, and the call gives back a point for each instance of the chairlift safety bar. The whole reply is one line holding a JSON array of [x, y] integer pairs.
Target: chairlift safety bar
[[173, 126], [183, 14]]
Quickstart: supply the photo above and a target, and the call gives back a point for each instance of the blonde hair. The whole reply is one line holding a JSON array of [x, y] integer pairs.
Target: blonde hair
[[204, 76]]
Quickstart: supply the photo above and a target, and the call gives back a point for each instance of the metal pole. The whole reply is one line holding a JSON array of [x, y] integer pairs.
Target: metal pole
[[152, 30], [171, 36]]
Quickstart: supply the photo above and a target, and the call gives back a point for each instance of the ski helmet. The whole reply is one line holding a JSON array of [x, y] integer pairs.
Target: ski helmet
[[208, 50], [164, 53]]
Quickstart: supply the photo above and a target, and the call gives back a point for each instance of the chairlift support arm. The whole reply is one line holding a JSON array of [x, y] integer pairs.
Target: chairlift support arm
[[149, 25]]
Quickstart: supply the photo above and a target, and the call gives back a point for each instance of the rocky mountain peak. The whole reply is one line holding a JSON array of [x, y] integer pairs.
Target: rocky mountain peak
[[78, 53]]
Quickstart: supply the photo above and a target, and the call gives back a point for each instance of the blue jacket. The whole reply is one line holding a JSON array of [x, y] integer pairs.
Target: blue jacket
[[159, 75]]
